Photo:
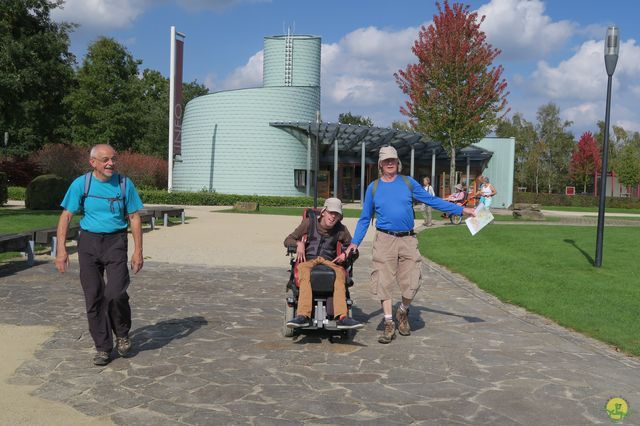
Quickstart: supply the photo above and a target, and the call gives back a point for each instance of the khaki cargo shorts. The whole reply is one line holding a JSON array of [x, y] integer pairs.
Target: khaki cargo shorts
[[395, 260]]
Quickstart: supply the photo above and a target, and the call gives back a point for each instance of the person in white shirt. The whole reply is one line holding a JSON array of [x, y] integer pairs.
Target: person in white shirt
[[426, 210]]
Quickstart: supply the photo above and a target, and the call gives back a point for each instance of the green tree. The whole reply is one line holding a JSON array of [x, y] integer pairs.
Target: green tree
[[455, 93], [558, 146], [348, 118], [155, 104], [36, 72], [106, 105], [628, 166], [525, 137], [402, 125]]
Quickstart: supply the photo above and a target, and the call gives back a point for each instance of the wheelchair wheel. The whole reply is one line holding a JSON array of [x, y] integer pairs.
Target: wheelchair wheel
[[288, 315], [455, 219]]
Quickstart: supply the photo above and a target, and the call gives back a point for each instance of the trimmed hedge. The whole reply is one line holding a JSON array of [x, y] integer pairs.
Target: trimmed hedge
[[574, 200], [215, 199], [3, 189], [156, 196], [45, 193], [17, 193]]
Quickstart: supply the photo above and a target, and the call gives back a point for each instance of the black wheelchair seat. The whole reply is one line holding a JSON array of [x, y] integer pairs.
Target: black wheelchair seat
[[322, 279]]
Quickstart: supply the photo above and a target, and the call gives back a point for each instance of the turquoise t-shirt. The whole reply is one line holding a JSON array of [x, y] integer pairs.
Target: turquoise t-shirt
[[103, 205]]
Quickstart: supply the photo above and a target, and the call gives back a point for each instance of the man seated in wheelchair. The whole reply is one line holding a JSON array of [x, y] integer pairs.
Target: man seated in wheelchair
[[318, 243]]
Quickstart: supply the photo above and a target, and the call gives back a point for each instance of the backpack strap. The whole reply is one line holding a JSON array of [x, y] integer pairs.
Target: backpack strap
[[85, 194], [375, 187], [122, 180], [123, 189]]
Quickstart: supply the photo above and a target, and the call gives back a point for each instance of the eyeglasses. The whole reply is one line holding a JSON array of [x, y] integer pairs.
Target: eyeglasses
[[105, 159]]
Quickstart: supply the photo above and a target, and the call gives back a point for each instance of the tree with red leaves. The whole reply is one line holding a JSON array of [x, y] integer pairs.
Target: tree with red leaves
[[455, 94], [585, 161]]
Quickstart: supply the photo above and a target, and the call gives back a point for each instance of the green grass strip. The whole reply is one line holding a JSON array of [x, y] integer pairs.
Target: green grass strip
[[549, 270]]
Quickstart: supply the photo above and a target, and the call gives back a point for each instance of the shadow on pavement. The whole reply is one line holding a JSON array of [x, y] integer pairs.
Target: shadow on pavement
[[415, 317], [155, 336]]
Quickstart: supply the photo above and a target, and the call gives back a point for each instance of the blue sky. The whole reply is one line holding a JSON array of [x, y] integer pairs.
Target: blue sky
[[552, 51]]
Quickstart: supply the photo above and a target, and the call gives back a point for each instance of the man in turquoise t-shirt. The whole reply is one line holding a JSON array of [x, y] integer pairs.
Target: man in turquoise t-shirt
[[102, 247]]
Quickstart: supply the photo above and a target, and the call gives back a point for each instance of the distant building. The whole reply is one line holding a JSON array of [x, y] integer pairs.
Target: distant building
[[262, 140]]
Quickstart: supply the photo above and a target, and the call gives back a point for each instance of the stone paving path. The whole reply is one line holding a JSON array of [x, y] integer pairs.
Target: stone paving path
[[208, 350]]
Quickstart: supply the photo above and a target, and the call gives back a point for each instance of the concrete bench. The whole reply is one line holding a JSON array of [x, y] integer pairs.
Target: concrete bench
[[18, 242], [148, 217], [49, 236], [165, 212]]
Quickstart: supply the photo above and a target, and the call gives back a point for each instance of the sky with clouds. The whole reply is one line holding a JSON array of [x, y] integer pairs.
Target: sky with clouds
[[552, 51]]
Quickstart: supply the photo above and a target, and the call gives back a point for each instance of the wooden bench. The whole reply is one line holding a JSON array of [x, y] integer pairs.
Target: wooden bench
[[165, 212], [18, 242]]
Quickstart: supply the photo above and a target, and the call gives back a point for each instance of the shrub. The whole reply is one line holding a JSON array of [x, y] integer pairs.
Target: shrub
[[145, 171], [574, 200], [3, 189], [20, 170], [62, 160], [216, 199], [46, 192]]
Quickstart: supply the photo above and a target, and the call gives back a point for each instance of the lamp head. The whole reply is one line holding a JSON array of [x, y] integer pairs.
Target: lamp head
[[611, 49]]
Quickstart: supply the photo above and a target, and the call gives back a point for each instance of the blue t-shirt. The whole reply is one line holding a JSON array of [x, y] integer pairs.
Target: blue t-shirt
[[102, 214], [394, 206]]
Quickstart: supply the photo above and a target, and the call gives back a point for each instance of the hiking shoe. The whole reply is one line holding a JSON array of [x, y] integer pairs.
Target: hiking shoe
[[402, 315], [123, 344], [347, 323], [299, 321], [101, 358], [389, 332]]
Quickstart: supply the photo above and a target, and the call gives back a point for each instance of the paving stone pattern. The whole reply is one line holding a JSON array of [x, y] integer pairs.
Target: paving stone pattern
[[208, 350]]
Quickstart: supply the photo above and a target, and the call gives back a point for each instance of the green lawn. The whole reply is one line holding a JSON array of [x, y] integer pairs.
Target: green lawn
[[13, 221], [18, 220], [589, 209], [549, 270]]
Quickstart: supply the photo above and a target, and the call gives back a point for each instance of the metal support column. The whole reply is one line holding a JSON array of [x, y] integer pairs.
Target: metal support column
[[308, 183], [363, 167], [413, 160], [468, 171], [335, 168], [433, 169]]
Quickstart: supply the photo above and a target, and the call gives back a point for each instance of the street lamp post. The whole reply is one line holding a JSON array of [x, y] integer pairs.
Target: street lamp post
[[611, 49]]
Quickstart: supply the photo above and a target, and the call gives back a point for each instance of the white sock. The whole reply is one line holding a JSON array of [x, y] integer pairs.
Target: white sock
[[388, 317]]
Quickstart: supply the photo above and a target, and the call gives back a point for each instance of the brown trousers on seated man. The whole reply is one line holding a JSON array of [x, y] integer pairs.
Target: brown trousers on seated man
[[305, 297]]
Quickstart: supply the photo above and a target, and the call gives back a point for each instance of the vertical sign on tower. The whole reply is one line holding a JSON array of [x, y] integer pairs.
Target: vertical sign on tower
[[175, 100]]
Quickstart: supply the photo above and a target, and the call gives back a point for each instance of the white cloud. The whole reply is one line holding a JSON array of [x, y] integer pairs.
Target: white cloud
[[210, 81], [583, 75], [100, 14], [357, 72], [521, 29], [583, 115], [248, 75], [97, 15]]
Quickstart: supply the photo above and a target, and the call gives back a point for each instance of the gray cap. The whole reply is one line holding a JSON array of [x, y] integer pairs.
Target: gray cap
[[333, 205]]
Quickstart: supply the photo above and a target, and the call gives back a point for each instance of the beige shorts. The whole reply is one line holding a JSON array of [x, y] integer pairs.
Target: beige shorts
[[396, 260]]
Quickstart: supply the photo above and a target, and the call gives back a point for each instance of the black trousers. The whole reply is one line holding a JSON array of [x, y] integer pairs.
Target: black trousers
[[107, 301]]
